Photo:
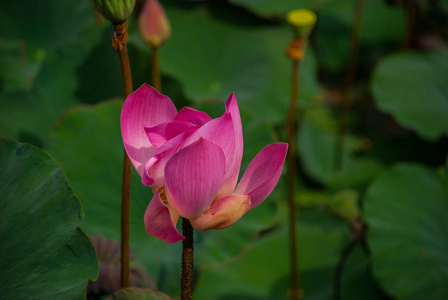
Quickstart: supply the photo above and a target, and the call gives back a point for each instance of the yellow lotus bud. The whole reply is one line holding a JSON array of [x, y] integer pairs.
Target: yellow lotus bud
[[303, 21]]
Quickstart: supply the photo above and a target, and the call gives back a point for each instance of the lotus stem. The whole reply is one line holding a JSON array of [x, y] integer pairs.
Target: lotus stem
[[344, 111], [187, 261], [156, 78], [291, 184], [410, 37], [337, 279], [119, 43], [295, 52]]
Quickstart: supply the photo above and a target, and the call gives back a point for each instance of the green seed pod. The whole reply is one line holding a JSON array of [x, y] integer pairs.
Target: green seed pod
[[116, 11]]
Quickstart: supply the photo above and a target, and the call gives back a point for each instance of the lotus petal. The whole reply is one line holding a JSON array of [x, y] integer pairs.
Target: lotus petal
[[192, 116], [223, 213], [193, 177], [161, 133], [220, 132], [144, 107], [263, 173], [160, 221]]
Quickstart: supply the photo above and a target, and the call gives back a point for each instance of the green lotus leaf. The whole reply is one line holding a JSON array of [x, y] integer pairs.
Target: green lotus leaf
[[45, 255], [316, 145], [357, 279], [406, 210], [133, 293], [357, 175], [410, 86]]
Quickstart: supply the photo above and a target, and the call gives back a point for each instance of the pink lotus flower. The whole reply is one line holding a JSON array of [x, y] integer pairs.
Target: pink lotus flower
[[192, 162]]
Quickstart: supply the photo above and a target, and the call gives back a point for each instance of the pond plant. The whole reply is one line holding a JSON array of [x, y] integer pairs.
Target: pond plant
[[322, 176]]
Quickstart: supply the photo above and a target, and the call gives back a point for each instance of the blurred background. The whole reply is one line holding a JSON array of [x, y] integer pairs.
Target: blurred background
[[376, 227]]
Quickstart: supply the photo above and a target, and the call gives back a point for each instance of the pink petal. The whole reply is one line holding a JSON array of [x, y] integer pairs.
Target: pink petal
[[192, 116], [144, 107], [219, 131], [161, 133], [160, 221], [154, 174], [233, 168], [223, 213], [146, 179], [193, 177], [263, 173]]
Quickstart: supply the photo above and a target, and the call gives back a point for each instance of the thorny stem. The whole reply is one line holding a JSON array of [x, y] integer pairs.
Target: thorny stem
[[156, 80], [119, 43], [295, 53], [187, 261], [344, 110]]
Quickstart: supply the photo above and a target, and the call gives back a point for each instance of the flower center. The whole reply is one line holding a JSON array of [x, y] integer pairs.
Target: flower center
[[162, 194]]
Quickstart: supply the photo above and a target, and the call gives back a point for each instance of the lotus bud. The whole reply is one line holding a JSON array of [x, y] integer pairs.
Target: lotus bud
[[116, 11], [154, 26], [303, 21]]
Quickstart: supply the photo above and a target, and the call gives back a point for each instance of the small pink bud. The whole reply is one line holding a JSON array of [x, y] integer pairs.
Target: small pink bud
[[154, 26]]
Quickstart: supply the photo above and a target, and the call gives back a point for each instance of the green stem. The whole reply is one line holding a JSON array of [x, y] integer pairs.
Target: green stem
[[187, 261], [337, 279], [358, 238], [119, 44], [344, 112]]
